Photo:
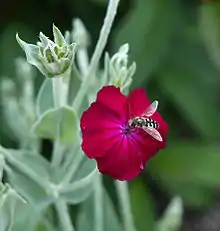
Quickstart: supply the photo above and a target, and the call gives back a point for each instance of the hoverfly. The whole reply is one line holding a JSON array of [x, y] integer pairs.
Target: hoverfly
[[149, 125]]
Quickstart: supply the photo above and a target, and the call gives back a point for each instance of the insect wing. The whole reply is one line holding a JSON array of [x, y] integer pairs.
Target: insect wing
[[154, 133], [150, 110]]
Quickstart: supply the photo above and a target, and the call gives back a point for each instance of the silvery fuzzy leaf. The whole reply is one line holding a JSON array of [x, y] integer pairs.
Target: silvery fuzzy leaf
[[45, 98], [8, 204], [34, 164], [59, 123], [124, 48], [58, 37], [32, 54], [30, 218], [82, 183]]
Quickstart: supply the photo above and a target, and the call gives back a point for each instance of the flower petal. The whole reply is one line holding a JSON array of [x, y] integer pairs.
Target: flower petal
[[97, 117], [99, 128], [138, 102], [112, 98], [148, 144], [123, 161], [97, 143]]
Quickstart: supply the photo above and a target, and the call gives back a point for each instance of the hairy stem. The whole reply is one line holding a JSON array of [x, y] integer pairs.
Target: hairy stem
[[57, 153], [64, 217], [60, 95], [110, 15], [124, 202], [98, 203], [66, 188], [60, 91], [71, 171]]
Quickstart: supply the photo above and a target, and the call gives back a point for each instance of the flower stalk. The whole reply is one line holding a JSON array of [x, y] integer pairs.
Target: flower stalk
[[71, 171], [60, 96], [109, 19], [64, 216], [98, 203], [60, 91], [124, 201]]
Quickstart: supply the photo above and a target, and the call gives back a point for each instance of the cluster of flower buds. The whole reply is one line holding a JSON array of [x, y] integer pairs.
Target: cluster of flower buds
[[53, 59], [117, 69]]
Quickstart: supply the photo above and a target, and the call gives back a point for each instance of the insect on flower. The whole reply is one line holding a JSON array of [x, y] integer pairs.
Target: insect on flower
[[147, 124], [122, 132]]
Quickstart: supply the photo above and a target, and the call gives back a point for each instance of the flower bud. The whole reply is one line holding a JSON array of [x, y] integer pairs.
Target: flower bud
[[117, 69], [8, 89], [53, 59], [80, 33]]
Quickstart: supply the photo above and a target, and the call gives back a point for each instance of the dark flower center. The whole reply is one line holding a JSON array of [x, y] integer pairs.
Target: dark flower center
[[127, 129]]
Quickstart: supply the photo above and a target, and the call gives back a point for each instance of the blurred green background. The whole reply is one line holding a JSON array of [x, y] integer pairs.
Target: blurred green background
[[176, 44]]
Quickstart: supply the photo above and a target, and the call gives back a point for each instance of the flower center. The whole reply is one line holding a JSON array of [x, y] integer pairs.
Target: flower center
[[127, 129]]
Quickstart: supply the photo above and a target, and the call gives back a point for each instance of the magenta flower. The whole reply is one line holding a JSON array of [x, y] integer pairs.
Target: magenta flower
[[109, 136]]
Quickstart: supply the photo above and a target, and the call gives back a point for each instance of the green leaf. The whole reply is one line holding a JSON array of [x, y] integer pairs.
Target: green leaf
[[23, 184], [8, 204], [188, 162], [142, 206], [82, 186], [86, 219], [58, 123], [192, 97], [45, 97], [148, 30], [192, 194], [209, 23]]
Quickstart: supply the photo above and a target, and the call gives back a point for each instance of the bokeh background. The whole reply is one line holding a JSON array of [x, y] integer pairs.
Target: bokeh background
[[176, 45]]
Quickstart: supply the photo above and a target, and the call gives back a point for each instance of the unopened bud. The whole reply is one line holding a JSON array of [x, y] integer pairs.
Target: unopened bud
[[52, 58]]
